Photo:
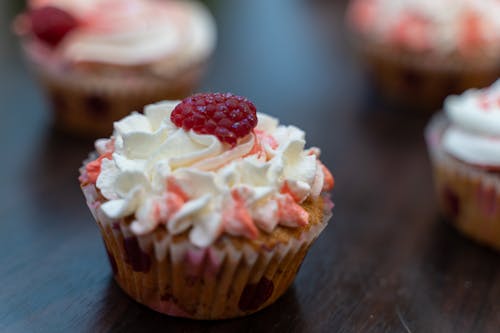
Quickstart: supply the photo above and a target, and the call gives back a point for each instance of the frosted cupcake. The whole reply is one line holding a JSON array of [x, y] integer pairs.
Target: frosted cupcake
[[420, 51], [206, 207], [464, 145], [98, 60]]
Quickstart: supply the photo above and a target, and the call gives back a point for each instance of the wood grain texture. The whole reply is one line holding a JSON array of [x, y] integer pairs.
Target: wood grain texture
[[386, 263]]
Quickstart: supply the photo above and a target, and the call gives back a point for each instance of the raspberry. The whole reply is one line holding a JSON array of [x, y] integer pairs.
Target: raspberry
[[51, 24], [226, 116]]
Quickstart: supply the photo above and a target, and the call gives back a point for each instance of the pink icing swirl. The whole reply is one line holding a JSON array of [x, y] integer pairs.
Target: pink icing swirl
[[444, 26], [134, 32], [167, 177]]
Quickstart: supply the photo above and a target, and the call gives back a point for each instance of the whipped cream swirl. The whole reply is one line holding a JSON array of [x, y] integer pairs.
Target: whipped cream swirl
[[163, 175], [136, 32], [443, 26], [474, 135]]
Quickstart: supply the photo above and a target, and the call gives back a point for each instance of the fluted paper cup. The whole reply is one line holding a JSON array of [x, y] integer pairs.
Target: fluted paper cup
[[231, 278], [469, 196], [420, 82], [87, 104]]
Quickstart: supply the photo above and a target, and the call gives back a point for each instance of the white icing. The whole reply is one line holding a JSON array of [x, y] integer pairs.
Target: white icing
[[444, 19], [77, 8], [468, 112], [474, 135], [153, 158], [472, 148], [134, 32]]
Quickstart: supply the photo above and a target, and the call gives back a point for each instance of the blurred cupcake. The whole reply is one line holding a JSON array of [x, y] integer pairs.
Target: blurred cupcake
[[207, 208], [98, 60], [464, 145], [420, 51]]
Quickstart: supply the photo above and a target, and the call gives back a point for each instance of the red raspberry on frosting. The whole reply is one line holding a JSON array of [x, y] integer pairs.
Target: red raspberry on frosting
[[51, 24], [226, 116]]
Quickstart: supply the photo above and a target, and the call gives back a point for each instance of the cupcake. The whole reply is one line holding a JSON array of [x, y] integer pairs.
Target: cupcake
[[207, 208], [98, 60], [464, 146], [420, 51]]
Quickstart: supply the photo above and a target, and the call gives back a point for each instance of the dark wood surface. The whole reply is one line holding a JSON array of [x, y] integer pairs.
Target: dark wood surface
[[386, 263]]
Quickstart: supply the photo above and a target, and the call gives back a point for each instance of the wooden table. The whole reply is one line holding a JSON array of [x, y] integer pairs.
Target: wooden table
[[386, 263]]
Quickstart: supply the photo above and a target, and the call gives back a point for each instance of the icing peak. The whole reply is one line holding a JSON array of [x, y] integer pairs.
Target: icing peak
[[163, 175], [476, 110], [474, 135]]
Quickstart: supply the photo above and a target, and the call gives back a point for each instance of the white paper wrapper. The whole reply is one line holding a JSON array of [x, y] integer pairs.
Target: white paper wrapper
[[468, 195], [228, 279]]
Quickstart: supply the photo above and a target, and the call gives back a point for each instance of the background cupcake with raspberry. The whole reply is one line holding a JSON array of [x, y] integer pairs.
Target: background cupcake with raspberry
[[420, 51], [464, 145], [207, 208], [98, 60]]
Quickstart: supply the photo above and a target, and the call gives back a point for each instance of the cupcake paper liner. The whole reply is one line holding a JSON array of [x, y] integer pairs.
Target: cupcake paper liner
[[87, 105], [419, 82], [469, 196], [227, 279], [87, 98]]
